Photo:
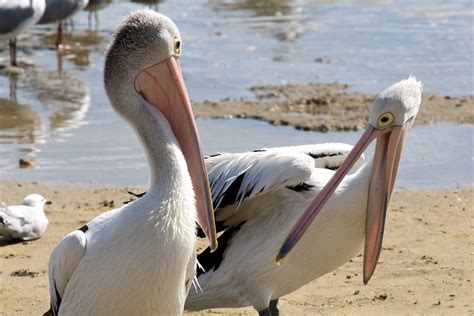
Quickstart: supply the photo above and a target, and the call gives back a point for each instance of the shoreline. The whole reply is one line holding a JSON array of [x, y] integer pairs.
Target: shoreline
[[320, 107], [414, 275]]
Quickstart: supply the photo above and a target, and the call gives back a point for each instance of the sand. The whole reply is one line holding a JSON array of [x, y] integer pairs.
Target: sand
[[425, 267]]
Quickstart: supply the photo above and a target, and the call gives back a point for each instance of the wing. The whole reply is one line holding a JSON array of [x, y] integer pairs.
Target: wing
[[237, 177], [327, 156], [17, 221], [62, 264]]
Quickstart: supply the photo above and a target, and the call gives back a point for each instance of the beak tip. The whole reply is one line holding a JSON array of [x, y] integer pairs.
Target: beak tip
[[280, 257], [366, 278], [214, 245]]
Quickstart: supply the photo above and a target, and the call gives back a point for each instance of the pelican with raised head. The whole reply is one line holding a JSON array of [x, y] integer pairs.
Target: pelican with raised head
[[260, 196], [140, 259]]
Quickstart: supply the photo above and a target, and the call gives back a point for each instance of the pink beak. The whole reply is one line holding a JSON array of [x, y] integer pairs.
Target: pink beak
[[163, 86], [386, 159]]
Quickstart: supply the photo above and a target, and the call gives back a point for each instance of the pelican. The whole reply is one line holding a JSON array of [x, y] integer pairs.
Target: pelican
[[26, 221], [260, 196], [140, 259], [59, 10], [17, 16]]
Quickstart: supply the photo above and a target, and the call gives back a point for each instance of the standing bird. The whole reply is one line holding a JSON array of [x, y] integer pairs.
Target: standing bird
[[15, 17], [93, 7], [260, 197], [26, 221], [58, 11], [140, 259]]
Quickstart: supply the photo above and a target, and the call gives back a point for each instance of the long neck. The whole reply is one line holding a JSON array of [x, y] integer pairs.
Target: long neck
[[167, 166]]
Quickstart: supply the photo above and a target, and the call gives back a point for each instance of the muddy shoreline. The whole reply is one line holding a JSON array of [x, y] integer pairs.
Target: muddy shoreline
[[327, 107]]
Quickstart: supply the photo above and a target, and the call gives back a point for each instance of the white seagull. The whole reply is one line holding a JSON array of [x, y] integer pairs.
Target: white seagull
[[140, 259], [260, 196], [17, 16], [26, 221]]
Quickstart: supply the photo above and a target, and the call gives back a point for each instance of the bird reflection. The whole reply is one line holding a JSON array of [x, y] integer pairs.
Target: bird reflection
[[283, 14], [65, 97], [19, 123], [13, 83], [259, 7]]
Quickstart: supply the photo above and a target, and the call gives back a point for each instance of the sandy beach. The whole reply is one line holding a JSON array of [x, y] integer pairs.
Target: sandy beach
[[425, 267]]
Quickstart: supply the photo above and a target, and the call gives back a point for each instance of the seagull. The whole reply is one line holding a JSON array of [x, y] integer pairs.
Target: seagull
[[140, 259], [58, 11], [93, 7], [26, 221], [16, 17], [259, 197]]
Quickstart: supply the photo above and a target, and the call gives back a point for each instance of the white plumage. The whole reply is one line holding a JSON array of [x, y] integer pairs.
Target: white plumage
[[270, 198], [258, 196], [26, 221], [140, 259]]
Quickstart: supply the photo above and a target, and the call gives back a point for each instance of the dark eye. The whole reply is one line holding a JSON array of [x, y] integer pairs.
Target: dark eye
[[177, 46]]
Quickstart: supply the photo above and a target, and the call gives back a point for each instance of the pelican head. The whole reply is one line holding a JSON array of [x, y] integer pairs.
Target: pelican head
[[142, 69], [35, 200], [392, 115]]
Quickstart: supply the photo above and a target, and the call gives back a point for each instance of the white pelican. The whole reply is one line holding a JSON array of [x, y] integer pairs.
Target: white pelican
[[140, 259], [58, 11], [15, 17], [260, 196], [26, 221]]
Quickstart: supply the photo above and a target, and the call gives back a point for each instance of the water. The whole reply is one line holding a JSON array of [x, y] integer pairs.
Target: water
[[64, 121]]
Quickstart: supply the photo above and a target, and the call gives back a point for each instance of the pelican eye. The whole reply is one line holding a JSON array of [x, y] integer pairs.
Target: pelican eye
[[385, 120], [177, 46]]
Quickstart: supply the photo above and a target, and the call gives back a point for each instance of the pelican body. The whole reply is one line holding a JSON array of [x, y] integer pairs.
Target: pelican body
[[16, 17], [140, 259], [26, 221], [263, 198]]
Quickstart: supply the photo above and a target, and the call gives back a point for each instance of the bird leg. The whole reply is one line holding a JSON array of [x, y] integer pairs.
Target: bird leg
[[265, 312], [271, 310], [59, 37], [274, 308], [12, 44]]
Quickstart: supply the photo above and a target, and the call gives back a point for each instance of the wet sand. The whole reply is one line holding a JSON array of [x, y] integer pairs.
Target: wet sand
[[325, 107], [425, 267]]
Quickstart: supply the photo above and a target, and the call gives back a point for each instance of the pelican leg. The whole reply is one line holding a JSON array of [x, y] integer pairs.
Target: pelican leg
[[274, 310], [265, 312], [12, 44], [271, 310]]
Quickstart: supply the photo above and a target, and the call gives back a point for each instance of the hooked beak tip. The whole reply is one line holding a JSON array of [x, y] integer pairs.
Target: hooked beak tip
[[281, 255], [214, 246]]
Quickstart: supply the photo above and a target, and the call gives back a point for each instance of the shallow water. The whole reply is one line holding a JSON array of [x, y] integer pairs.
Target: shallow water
[[62, 118], [431, 158]]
